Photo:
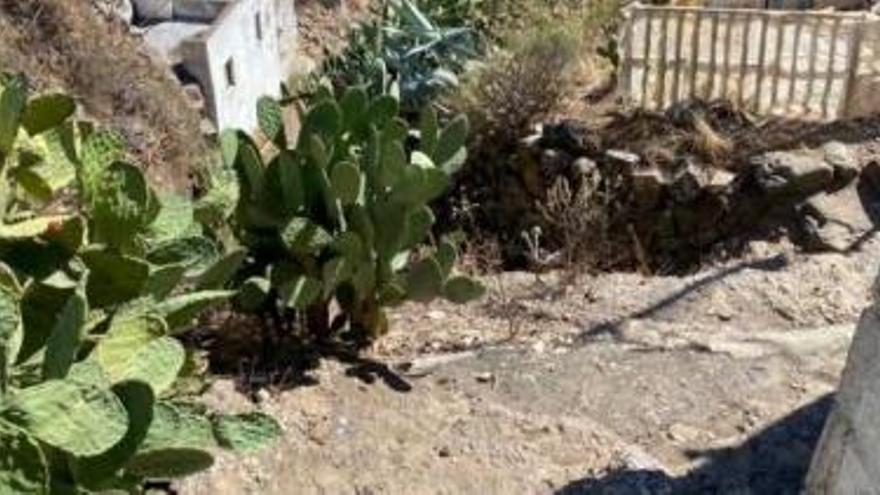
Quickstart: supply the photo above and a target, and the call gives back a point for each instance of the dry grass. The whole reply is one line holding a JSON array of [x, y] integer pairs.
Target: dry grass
[[65, 45]]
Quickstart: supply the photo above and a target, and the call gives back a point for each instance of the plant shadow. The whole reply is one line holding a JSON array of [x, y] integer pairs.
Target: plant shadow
[[772, 462]]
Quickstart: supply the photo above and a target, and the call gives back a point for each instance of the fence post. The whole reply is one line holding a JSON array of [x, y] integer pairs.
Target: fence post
[[852, 68], [625, 84]]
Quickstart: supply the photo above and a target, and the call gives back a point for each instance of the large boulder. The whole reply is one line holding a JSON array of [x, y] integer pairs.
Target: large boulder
[[786, 173], [847, 459]]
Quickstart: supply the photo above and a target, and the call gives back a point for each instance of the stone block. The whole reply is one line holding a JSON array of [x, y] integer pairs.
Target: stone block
[[784, 173], [847, 459], [154, 10]]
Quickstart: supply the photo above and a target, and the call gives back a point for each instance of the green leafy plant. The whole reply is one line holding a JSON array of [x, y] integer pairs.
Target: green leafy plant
[[342, 216], [96, 272], [404, 52]]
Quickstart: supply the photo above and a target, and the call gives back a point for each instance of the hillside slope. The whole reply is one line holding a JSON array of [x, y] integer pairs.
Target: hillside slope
[[65, 45]]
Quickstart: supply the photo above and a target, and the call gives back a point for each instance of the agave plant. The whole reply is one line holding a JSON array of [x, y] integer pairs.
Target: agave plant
[[96, 279], [342, 216], [405, 53]]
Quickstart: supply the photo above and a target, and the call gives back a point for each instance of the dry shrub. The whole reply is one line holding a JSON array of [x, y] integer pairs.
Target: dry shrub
[[65, 45]]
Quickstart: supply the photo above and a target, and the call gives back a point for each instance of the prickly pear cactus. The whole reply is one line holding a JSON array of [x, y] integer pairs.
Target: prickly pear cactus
[[343, 216], [91, 298]]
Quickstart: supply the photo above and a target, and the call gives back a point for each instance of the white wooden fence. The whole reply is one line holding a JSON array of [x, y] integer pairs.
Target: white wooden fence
[[803, 64]]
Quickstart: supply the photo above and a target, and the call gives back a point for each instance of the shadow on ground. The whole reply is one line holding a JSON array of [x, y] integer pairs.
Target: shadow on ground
[[773, 462]]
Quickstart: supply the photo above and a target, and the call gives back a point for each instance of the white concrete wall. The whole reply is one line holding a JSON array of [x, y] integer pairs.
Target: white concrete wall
[[256, 63], [287, 34]]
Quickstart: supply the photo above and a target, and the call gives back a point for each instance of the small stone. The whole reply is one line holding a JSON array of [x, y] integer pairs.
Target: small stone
[[485, 377], [444, 452], [781, 173], [539, 347], [436, 315], [623, 158]]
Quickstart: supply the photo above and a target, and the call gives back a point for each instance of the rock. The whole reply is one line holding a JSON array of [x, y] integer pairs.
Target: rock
[[570, 136], [687, 183], [555, 162], [785, 173], [486, 377], [194, 96], [847, 459], [121, 9], [648, 185], [154, 10], [584, 166], [835, 221], [622, 159], [843, 161], [720, 182]]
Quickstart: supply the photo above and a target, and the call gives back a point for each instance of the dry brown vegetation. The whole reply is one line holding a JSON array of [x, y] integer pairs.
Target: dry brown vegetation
[[65, 45]]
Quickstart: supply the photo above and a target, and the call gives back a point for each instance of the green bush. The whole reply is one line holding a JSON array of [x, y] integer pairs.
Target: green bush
[[342, 216], [96, 277]]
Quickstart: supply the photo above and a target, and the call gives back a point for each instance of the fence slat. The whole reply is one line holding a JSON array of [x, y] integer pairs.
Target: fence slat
[[829, 75], [646, 59], [852, 69], [744, 60], [626, 82], [695, 54], [728, 41], [762, 56], [660, 95], [713, 60], [798, 29], [814, 47], [777, 62], [679, 28]]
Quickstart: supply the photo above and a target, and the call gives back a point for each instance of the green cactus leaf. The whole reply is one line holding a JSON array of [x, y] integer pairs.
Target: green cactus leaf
[[318, 151], [47, 111], [13, 101], [121, 348], [349, 245], [23, 466], [394, 163], [364, 279], [335, 272], [53, 167], [229, 141], [422, 160], [28, 229], [245, 432], [301, 292], [158, 364], [424, 281], [98, 152], [177, 444], [250, 167], [71, 236], [40, 306], [196, 254], [139, 402], [383, 110], [419, 224], [163, 280], [324, 121], [170, 463], [11, 332], [446, 255], [178, 426], [114, 278], [392, 294], [120, 208], [253, 294], [64, 341], [429, 130], [290, 182], [347, 183], [176, 219], [180, 311], [451, 152], [462, 290], [89, 372], [359, 220], [389, 220], [436, 182], [354, 105], [302, 236], [222, 271], [270, 117], [76, 418], [9, 280]]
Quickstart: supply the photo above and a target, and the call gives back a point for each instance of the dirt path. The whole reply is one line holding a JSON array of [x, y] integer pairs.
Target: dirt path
[[707, 384]]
